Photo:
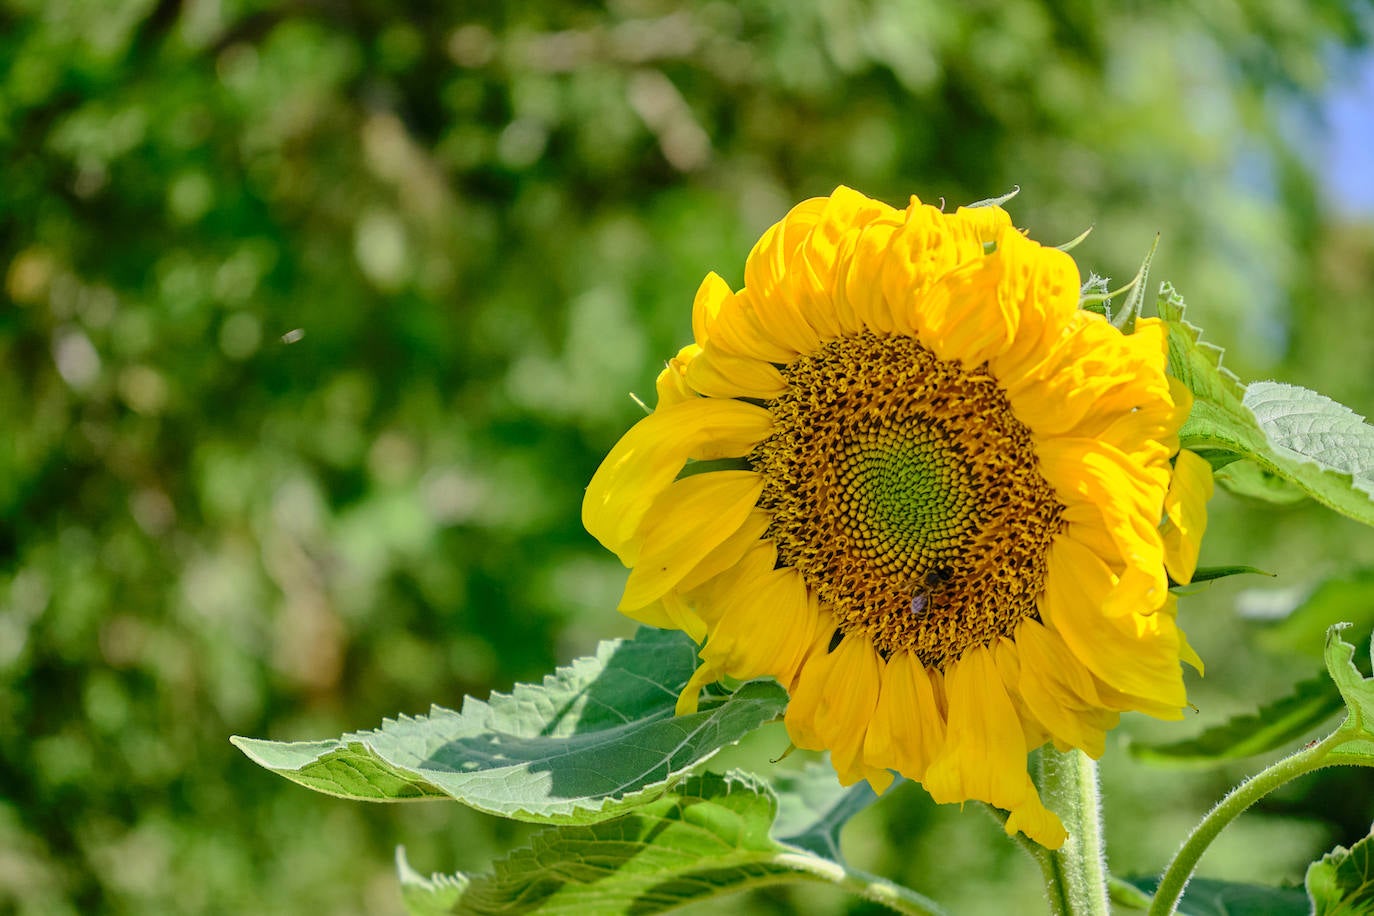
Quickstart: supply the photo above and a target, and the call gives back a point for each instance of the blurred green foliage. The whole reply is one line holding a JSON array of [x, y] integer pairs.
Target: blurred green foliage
[[319, 315]]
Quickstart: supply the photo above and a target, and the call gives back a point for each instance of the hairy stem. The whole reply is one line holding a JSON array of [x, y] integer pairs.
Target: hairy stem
[[1176, 876], [1076, 873]]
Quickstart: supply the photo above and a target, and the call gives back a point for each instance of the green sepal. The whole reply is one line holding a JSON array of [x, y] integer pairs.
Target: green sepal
[[1342, 881], [1245, 478], [596, 738], [1135, 299]]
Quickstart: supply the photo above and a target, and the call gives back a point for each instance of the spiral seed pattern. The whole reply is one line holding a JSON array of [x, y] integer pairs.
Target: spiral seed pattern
[[909, 496]]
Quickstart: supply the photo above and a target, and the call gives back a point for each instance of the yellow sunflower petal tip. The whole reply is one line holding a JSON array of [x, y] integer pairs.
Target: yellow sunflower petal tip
[[945, 448]]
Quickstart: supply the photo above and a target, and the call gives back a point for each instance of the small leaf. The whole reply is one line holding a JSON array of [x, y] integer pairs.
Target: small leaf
[[813, 807], [1204, 576], [1208, 573], [1273, 727], [1341, 883], [595, 738], [1353, 742], [1325, 449], [709, 836], [1207, 897]]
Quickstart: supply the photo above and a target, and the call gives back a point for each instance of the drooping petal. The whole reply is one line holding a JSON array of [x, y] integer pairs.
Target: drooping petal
[[907, 729], [833, 704], [984, 755]]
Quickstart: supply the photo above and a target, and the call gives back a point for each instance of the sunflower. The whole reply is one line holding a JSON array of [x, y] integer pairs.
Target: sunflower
[[903, 473]]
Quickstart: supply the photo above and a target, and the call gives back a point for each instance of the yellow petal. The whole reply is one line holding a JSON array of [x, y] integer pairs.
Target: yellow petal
[[1134, 653], [984, 756], [1008, 660], [921, 253], [761, 624], [1186, 505], [650, 455], [859, 262], [832, 705], [821, 267], [711, 296], [691, 518], [671, 386], [670, 613], [1060, 691], [690, 698], [766, 276], [1092, 474], [729, 553], [1036, 821], [907, 729], [718, 374]]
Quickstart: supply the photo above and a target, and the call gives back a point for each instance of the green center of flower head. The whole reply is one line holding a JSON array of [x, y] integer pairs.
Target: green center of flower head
[[908, 495]]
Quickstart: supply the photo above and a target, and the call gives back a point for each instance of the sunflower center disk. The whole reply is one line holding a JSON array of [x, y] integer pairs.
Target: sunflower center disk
[[908, 495]]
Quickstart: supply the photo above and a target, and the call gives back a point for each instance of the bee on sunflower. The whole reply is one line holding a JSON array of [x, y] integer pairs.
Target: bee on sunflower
[[903, 473]]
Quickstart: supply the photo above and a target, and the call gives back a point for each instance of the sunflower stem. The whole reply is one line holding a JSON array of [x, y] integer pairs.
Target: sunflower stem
[[1180, 870], [1075, 873]]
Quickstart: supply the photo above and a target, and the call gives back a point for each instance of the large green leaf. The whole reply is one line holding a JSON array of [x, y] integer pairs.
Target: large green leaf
[[596, 737], [1206, 897], [1323, 448], [711, 835], [1274, 726], [1341, 883]]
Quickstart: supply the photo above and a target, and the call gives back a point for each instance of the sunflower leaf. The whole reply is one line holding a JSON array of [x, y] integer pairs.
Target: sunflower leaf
[[710, 835], [1274, 726], [1323, 448], [1209, 897], [813, 807], [1342, 881], [596, 738]]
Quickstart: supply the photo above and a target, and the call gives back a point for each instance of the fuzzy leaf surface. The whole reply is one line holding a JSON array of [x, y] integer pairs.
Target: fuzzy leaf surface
[[597, 737], [1341, 883], [1321, 447], [710, 835]]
